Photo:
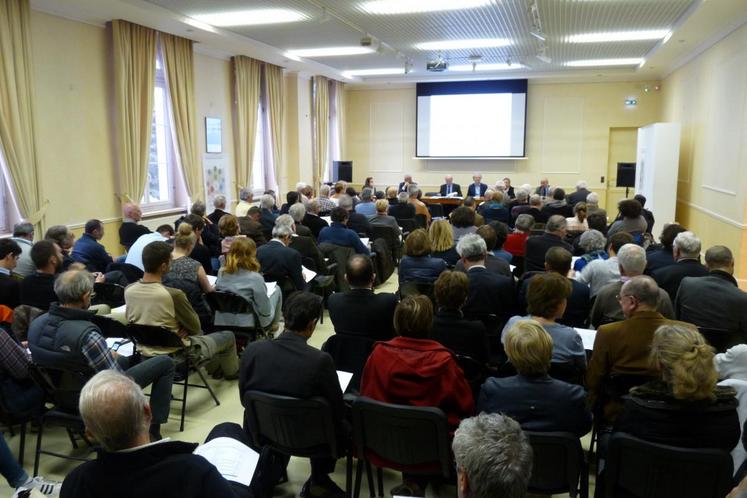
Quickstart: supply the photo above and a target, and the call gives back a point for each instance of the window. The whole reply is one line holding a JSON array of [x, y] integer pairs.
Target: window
[[9, 214], [333, 137], [258, 161]]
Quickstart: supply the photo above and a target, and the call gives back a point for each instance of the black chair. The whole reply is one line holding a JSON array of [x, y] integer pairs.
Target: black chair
[[293, 426], [406, 438], [131, 272], [640, 469], [474, 371], [228, 302], [160, 337], [323, 283], [413, 288], [350, 353], [421, 221], [407, 225], [109, 327], [720, 339], [570, 372], [559, 464], [493, 327], [436, 210], [520, 264], [110, 294], [392, 239]]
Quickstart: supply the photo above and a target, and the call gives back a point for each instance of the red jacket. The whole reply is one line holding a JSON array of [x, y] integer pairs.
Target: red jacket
[[516, 243], [418, 372]]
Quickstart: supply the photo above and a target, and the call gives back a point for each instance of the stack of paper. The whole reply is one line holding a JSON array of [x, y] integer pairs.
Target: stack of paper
[[271, 286], [308, 275], [234, 460], [212, 279], [344, 379], [587, 337]]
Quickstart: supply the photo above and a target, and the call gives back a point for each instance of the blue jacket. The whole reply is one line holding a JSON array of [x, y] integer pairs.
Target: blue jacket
[[340, 235], [88, 251], [541, 404], [420, 269]]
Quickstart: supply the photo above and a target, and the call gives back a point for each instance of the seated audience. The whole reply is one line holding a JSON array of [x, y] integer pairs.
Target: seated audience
[[579, 195], [291, 198], [311, 256], [288, 366], [493, 457], [166, 231], [501, 234], [519, 205], [266, 214], [391, 195], [592, 206], [246, 198], [228, 227], [312, 219], [135, 253], [356, 221], [420, 208], [19, 480], [630, 219], [360, 311], [350, 192], [382, 217], [593, 243], [557, 206], [37, 289], [89, 251], [402, 209], [116, 414], [417, 265], [647, 215], [298, 213], [325, 203], [516, 241], [471, 203], [200, 252], [623, 347], [535, 209], [339, 234], [279, 262], [578, 223], [599, 272], [685, 408], [533, 398], [450, 327], [442, 242], [130, 230], [537, 246], [661, 255], [23, 235], [339, 189], [10, 285], [449, 187], [547, 297], [149, 302], [240, 275], [66, 338], [493, 209], [462, 222], [715, 301], [606, 309], [65, 239], [493, 263], [20, 395], [198, 208], [508, 188], [686, 252], [219, 205], [414, 370], [489, 293], [251, 227], [597, 221], [477, 188], [366, 206]]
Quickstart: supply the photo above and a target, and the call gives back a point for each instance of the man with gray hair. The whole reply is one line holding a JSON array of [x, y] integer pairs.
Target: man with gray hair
[[219, 203], [304, 244], [631, 260], [246, 197], [493, 457], [116, 414], [325, 203], [131, 230], [686, 252], [298, 212], [489, 293], [356, 221], [67, 338], [715, 300], [537, 246], [580, 194], [592, 205], [23, 235], [312, 218], [280, 263], [420, 207], [402, 209], [366, 206], [266, 216]]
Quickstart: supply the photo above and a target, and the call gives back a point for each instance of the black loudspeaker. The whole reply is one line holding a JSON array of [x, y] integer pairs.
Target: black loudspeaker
[[342, 171], [625, 175]]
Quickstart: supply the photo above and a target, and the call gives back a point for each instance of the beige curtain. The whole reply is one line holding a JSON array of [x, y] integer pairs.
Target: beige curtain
[[340, 107], [274, 83], [134, 79], [178, 60], [16, 113], [320, 125], [247, 82]]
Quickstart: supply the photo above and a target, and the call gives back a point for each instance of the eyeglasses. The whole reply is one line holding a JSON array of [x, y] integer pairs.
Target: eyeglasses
[[620, 298]]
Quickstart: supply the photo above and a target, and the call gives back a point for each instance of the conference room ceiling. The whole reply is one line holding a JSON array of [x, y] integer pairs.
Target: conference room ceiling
[[677, 29]]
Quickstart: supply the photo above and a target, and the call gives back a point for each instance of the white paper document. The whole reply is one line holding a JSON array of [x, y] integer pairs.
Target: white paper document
[[308, 275], [122, 346], [512, 268], [328, 219], [120, 310], [344, 379], [212, 279], [234, 460], [271, 286], [365, 241], [587, 337]]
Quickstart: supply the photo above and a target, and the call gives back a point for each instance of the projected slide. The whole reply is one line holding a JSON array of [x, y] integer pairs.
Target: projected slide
[[471, 119]]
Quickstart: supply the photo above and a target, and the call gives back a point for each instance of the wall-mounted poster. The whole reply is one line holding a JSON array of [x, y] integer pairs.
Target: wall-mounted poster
[[213, 135], [217, 178]]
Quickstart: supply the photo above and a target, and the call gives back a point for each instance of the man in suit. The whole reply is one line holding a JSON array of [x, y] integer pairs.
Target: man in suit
[[477, 188], [267, 216], [288, 366], [632, 260], [402, 210], [359, 311], [660, 255], [579, 195], [130, 230], [89, 251], [304, 244], [537, 246], [298, 212], [450, 187], [405, 185], [544, 188], [381, 218], [312, 220], [625, 347], [356, 221], [508, 189], [339, 234], [488, 292], [219, 203], [715, 301], [278, 261], [37, 289], [493, 263], [9, 284], [686, 252], [250, 226]]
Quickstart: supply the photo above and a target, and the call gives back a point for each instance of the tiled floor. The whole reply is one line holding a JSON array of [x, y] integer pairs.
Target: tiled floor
[[203, 415]]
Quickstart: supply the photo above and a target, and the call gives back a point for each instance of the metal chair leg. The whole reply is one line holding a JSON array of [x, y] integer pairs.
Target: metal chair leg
[[184, 394], [369, 474], [210, 389], [72, 438], [357, 485], [348, 473], [22, 444], [38, 447], [380, 479]]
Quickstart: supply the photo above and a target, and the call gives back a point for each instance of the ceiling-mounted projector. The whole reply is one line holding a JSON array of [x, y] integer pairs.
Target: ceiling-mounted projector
[[437, 65]]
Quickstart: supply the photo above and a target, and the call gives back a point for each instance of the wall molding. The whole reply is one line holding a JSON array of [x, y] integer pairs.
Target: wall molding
[[714, 214], [719, 190]]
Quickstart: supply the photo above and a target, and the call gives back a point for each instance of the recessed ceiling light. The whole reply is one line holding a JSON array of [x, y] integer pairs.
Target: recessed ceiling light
[[485, 67], [383, 7], [461, 44], [252, 17], [381, 71], [604, 62], [618, 36], [330, 51]]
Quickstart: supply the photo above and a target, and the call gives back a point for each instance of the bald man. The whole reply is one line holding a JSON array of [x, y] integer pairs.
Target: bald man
[[450, 188], [130, 230]]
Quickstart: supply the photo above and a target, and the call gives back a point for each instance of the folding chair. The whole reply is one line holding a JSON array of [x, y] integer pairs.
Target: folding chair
[[559, 464]]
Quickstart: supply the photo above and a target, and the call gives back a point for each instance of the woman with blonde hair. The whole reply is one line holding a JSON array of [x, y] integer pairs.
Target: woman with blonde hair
[[533, 398], [442, 242], [241, 276], [685, 407]]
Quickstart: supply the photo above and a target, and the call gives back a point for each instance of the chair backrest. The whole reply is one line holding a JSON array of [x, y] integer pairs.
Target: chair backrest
[[570, 372], [350, 353], [421, 221], [131, 272], [60, 386], [389, 234], [229, 302], [109, 294], [436, 210], [109, 327], [640, 469], [150, 335], [558, 463], [413, 288], [292, 426], [339, 255], [474, 371], [384, 262], [401, 437], [720, 339], [407, 225]]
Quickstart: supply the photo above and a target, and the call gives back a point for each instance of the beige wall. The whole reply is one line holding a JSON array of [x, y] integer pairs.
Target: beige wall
[[568, 135], [709, 97]]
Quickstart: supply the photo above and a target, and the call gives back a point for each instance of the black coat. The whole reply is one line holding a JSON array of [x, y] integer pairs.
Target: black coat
[[455, 187], [536, 248], [10, 290], [216, 215], [490, 293], [669, 277], [277, 261], [462, 336], [361, 312], [402, 211], [315, 224]]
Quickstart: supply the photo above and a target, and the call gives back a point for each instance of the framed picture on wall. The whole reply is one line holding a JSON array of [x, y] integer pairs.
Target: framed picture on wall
[[213, 135]]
